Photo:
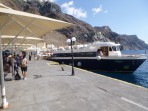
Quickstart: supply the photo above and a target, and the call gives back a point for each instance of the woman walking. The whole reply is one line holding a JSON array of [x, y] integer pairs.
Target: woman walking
[[24, 66]]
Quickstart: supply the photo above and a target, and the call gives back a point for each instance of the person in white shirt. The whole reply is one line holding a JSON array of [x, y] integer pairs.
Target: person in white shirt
[[100, 53], [24, 63]]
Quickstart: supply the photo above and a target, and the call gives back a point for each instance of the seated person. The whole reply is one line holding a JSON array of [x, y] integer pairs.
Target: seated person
[[100, 53]]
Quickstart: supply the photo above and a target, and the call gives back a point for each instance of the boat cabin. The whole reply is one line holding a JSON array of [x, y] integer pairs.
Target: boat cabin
[[108, 49], [91, 50]]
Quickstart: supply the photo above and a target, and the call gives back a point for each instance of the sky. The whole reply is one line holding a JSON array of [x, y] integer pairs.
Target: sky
[[128, 17]]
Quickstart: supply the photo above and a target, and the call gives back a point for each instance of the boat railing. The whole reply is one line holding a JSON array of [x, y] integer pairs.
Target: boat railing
[[134, 55]]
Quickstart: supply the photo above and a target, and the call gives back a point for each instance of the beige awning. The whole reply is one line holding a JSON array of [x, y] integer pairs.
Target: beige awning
[[3, 6], [17, 23], [20, 40], [20, 37], [14, 22]]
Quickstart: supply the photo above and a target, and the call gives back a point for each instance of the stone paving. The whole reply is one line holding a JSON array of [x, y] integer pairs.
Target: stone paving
[[48, 88]]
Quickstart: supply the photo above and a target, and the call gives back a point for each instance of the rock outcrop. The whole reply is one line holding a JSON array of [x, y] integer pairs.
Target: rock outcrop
[[126, 41]]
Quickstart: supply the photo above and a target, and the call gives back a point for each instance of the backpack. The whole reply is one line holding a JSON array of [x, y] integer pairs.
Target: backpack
[[23, 64], [17, 76]]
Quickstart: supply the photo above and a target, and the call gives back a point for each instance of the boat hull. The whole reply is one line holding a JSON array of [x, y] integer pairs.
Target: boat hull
[[107, 65]]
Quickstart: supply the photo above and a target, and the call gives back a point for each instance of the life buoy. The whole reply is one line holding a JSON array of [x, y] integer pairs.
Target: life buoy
[[99, 58], [79, 64]]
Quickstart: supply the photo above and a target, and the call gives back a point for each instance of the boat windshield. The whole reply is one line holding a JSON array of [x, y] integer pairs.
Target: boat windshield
[[114, 48]]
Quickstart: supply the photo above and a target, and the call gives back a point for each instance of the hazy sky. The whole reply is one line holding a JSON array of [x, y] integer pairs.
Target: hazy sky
[[122, 16]]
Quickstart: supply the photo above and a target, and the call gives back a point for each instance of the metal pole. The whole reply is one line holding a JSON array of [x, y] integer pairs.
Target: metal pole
[[36, 53], [73, 73], [3, 92], [12, 61], [36, 49]]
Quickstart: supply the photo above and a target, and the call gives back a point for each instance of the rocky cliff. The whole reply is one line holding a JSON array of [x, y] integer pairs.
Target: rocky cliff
[[127, 41], [84, 32]]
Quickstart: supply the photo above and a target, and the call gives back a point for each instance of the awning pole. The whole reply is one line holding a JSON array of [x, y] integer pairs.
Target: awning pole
[[3, 92], [12, 60], [36, 50]]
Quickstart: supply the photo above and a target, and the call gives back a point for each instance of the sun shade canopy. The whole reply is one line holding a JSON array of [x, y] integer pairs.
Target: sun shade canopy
[[20, 40], [3, 6], [17, 23]]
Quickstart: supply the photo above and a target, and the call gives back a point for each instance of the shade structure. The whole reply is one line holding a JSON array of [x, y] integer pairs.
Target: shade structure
[[3, 6], [14, 22], [20, 40], [17, 23]]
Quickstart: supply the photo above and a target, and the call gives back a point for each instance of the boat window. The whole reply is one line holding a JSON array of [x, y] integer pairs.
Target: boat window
[[85, 54], [81, 54], [90, 54], [67, 55], [114, 48], [54, 55], [62, 55], [78, 54], [110, 49]]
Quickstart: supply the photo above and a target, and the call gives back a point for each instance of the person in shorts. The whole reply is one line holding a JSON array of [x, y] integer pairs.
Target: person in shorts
[[24, 63]]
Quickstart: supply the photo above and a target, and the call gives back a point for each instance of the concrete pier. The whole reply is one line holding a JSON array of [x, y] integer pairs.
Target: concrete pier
[[48, 88]]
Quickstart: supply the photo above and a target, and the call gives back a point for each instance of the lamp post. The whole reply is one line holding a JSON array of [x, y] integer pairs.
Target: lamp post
[[72, 41]]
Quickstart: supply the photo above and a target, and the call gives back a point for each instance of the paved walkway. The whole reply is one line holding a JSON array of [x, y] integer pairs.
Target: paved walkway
[[48, 88]]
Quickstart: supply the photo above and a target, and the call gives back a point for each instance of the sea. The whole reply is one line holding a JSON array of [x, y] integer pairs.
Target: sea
[[139, 77]]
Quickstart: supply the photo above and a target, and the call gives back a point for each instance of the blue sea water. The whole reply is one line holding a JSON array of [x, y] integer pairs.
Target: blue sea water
[[139, 77]]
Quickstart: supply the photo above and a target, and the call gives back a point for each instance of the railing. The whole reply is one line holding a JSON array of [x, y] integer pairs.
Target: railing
[[135, 55]]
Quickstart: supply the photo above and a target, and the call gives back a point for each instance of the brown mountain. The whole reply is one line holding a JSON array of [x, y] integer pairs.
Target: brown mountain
[[127, 41], [84, 32]]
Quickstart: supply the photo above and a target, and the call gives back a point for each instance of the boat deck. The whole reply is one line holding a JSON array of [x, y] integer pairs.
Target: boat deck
[[48, 88]]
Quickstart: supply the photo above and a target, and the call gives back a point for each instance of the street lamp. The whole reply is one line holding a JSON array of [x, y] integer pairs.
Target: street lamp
[[72, 41]]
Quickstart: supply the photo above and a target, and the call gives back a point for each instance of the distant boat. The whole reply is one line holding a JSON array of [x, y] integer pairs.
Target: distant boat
[[89, 57]]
